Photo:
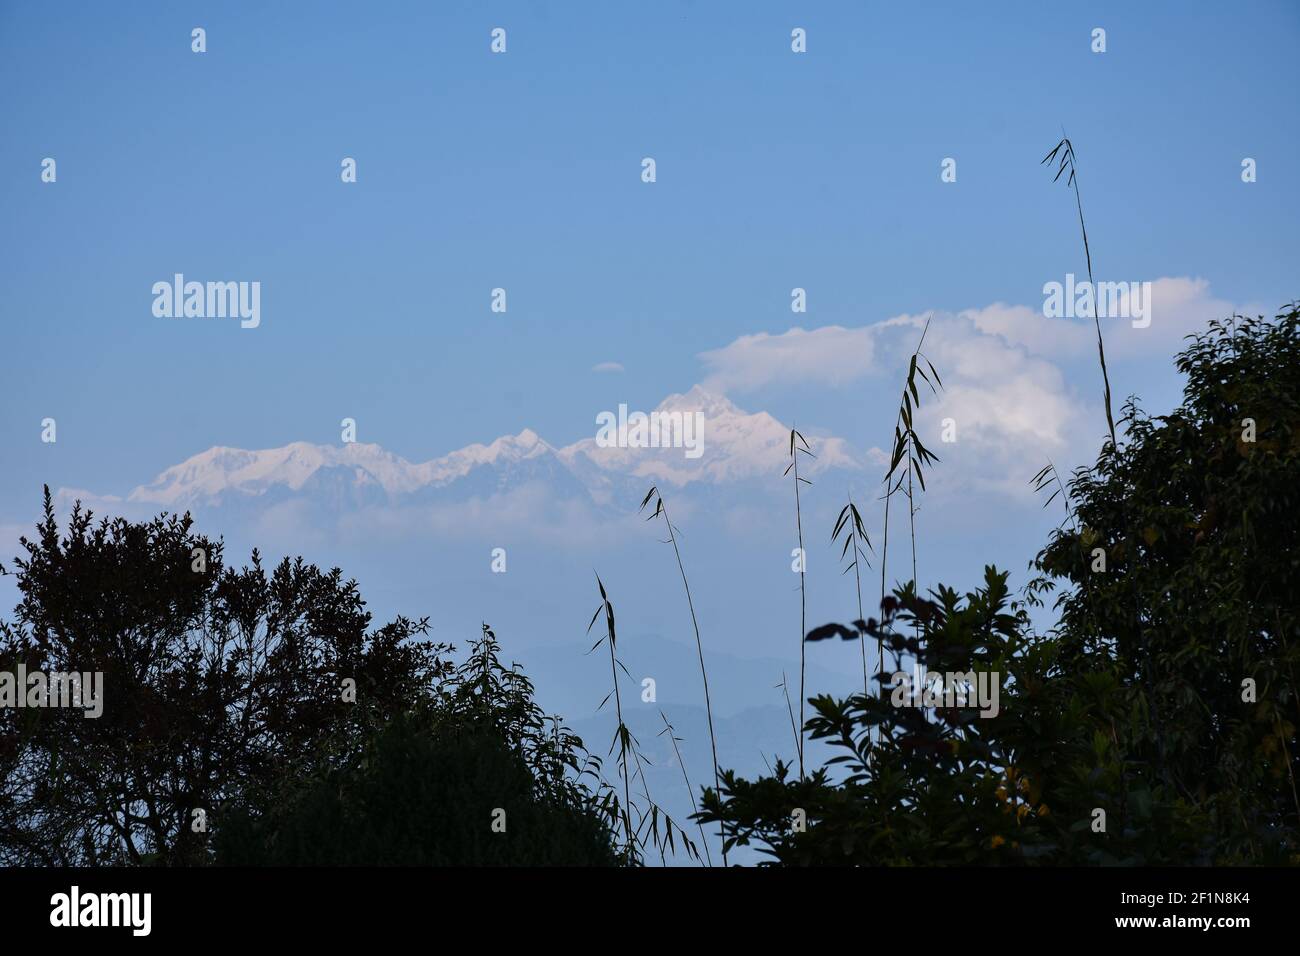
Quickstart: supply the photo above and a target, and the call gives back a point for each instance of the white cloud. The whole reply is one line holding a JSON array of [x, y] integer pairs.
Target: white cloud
[[1016, 381], [735, 446], [1000, 392], [1022, 325], [1019, 387], [831, 355], [996, 393], [607, 367], [1178, 306]]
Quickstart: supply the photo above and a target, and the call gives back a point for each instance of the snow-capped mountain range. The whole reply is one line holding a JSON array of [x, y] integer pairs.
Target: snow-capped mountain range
[[737, 446]]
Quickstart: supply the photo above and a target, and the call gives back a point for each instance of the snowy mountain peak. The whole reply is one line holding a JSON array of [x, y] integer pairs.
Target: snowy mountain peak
[[699, 399], [222, 470], [527, 443], [736, 445], [733, 445]]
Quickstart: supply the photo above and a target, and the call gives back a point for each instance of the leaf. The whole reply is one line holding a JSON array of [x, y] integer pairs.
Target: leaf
[[827, 631], [936, 374]]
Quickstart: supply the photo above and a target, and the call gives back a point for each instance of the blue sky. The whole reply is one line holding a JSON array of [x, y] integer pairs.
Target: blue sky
[[775, 170], [522, 171]]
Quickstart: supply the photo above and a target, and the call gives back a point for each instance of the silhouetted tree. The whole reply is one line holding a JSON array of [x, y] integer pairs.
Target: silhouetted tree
[[423, 793], [1162, 707], [217, 684], [1196, 521]]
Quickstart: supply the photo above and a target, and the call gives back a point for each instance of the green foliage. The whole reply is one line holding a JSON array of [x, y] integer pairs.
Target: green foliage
[[216, 682], [228, 691], [849, 526], [1133, 704], [909, 451], [908, 448], [907, 787], [424, 792], [1202, 554], [427, 786]]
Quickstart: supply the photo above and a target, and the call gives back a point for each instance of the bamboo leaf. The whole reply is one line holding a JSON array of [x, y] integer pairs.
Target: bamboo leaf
[[936, 374]]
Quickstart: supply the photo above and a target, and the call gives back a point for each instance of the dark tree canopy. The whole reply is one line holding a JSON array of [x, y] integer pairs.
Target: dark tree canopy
[[230, 692], [1198, 518], [216, 682], [475, 775], [1165, 698], [421, 795]]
